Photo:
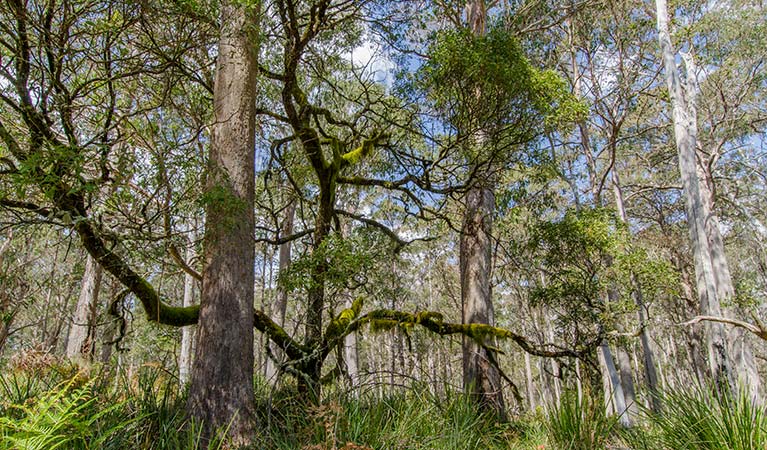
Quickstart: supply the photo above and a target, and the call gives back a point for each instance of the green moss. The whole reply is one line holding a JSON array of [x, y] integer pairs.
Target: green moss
[[356, 155], [339, 325], [178, 316]]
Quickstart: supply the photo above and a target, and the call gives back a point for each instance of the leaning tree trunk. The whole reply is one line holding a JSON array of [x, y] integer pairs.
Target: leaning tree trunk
[[685, 132], [81, 340], [221, 393]]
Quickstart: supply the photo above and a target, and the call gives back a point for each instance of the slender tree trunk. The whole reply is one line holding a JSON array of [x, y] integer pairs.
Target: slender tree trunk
[[615, 391], [281, 302], [481, 378], [81, 340], [7, 311], [187, 333], [651, 376], [698, 213], [221, 393]]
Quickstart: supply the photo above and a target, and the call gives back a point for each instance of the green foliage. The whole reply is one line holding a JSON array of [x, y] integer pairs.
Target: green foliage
[[345, 262], [580, 424], [65, 417], [706, 419], [586, 254], [485, 83]]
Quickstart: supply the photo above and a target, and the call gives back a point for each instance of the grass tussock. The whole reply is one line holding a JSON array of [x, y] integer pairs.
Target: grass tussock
[[580, 423], [704, 418]]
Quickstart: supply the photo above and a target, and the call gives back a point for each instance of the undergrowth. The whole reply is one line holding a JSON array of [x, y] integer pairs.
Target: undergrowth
[[59, 407]]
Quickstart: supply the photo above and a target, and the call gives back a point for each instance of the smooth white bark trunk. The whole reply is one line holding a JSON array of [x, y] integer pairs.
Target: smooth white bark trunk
[[697, 208], [187, 333]]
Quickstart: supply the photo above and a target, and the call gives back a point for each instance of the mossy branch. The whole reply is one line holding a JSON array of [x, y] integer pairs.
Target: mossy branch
[[156, 309], [354, 156], [277, 334], [434, 322], [339, 327]]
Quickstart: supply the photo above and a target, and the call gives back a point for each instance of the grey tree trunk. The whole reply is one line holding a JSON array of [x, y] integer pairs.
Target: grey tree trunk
[[81, 341], [698, 213], [281, 302], [613, 387], [187, 333], [221, 393], [648, 358], [744, 363], [481, 378]]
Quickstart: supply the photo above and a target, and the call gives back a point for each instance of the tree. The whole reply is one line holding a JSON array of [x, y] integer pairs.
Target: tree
[[481, 377], [698, 208], [52, 166]]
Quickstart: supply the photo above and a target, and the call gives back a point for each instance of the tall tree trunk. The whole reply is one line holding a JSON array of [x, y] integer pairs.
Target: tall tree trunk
[[221, 393], [187, 333], [481, 378], [618, 386], [698, 213], [743, 360], [281, 302], [81, 340], [651, 375]]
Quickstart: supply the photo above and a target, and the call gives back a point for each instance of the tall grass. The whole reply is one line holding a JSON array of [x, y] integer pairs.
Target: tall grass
[[705, 418], [55, 410], [413, 419], [580, 424]]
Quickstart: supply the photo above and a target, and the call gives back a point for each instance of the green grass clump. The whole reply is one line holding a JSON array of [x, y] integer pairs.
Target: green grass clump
[[707, 419], [580, 424]]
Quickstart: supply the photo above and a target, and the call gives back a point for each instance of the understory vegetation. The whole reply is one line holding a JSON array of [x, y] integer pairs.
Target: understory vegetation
[[51, 404]]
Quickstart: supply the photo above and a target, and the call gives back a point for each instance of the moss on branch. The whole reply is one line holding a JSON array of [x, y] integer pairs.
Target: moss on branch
[[354, 156], [384, 319]]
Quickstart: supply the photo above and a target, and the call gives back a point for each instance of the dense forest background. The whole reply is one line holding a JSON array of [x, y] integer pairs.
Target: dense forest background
[[537, 223]]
